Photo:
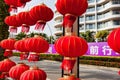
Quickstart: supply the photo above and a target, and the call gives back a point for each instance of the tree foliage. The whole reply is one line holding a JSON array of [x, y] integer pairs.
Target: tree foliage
[[101, 35], [88, 36], [3, 27], [21, 35]]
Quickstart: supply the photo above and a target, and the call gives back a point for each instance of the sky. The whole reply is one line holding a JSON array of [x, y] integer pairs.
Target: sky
[[49, 28]]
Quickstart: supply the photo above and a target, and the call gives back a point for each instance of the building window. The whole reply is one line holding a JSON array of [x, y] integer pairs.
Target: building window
[[91, 17], [90, 26], [81, 27], [91, 1], [116, 11], [116, 22], [91, 9], [100, 25], [116, 1], [99, 7], [81, 19]]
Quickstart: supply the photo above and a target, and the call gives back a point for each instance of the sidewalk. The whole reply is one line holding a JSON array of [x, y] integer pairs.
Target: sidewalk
[[87, 72]]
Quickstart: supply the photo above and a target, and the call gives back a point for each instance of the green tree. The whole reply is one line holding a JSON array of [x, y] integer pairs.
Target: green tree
[[88, 36], [20, 36], [101, 35], [3, 27]]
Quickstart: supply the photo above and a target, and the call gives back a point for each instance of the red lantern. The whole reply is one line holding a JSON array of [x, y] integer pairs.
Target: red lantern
[[12, 22], [71, 9], [71, 46], [8, 44], [41, 14], [33, 74], [113, 40], [36, 44], [6, 65], [16, 71], [13, 4], [20, 45], [25, 19]]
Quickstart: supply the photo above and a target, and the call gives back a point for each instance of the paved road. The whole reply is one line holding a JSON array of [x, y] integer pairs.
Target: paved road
[[87, 72]]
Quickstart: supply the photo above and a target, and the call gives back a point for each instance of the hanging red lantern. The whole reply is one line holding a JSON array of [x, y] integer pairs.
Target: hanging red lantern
[[16, 71], [71, 46], [71, 9], [36, 44], [41, 14], [13, 4], [12, 22], [6, 65], [33, 74], [8, 44], [113, 40], [20, 46], [26, 20]]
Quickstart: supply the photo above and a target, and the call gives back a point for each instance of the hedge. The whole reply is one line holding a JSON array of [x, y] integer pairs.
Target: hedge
[[92, 60]]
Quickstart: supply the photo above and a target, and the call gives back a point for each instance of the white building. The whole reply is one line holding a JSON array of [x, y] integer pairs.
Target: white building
[[100, 15]]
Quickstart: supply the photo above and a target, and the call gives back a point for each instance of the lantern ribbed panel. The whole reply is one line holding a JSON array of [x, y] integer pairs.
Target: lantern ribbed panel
[[114, 40], [16, 71], [20, 45], [12, 21], [36, 44], [8, 43], [41, 12], [24, 18], [34, 74], [13, 3], [71, 46], [74, 7], [6, 65]]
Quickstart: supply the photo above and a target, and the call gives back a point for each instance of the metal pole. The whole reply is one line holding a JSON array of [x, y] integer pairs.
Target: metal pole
[[76, 67]]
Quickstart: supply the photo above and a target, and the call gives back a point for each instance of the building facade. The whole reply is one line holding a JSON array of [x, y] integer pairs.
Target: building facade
[[100, 15]]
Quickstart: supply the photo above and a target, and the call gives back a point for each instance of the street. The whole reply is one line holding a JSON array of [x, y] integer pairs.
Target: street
[[87, 72]]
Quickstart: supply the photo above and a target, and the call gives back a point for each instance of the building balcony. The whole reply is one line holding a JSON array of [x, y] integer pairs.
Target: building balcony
[[102, 2], [109, 27], [58, 16], [57, 25], [109, 17], [90, 21], [60, 32], [108, 8], [90, 13]]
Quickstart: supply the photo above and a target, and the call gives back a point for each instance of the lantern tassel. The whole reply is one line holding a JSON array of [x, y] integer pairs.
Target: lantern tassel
[[23, 55], [33, 57], [8, 53], [13, 29], [12, 8], [25, 28], [40, 25], [3, 75], [69, 20], [68, 63]]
